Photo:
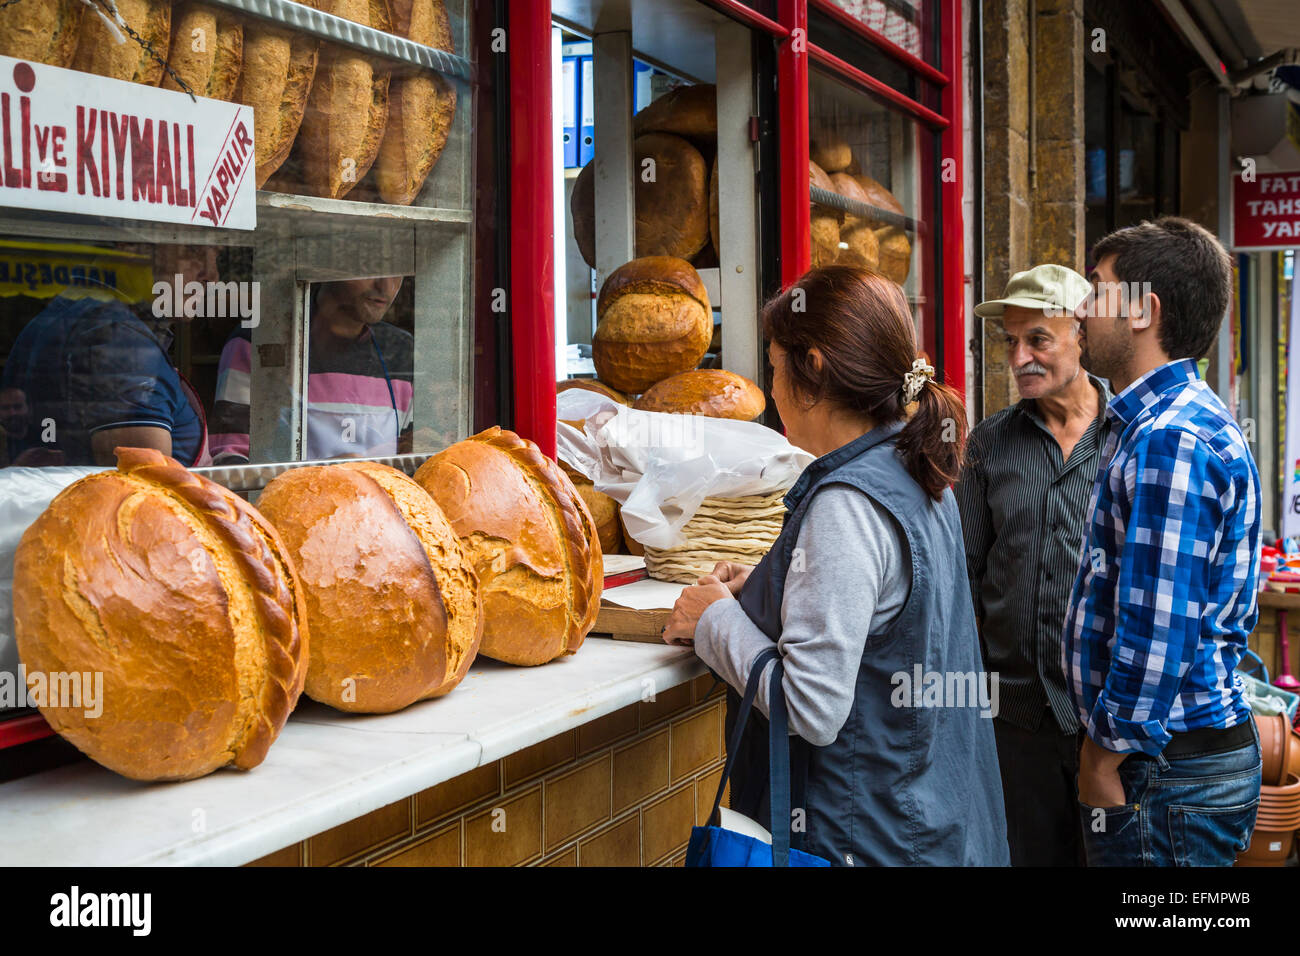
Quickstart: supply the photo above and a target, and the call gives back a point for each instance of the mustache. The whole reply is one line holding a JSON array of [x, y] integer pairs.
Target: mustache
[[1031, 368]]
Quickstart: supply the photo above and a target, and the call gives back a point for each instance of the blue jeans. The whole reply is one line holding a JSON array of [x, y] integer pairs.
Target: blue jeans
[[1192, 811]]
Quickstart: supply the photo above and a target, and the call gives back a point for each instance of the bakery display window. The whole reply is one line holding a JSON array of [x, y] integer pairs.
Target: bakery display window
[[670, 93], [869, 189], [338, 327]]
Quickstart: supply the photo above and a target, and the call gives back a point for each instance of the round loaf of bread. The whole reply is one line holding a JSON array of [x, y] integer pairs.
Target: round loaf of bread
[[45, 32], [392, 597], [825, 221], [653, 321], [878, 195], [672, 196], [603, 508], [690, 111], [533, 542], [211, 70], [829, 151], [895, 253], [715, 225], [592, 385], [99, 52], [706, 391], [181, 597], [277, 76], [421, 107], [857, 241], [582, 210]]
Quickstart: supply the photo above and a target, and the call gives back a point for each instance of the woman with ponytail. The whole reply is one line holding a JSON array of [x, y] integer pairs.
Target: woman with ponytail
[[864, 595]]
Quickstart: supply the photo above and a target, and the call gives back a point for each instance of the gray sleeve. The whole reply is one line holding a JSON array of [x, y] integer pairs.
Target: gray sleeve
[[848, 579]]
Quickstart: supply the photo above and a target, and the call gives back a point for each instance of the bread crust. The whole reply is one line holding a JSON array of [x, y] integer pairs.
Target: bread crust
[[99, 52], [711, 391], [672, 209], [534, 544], [45, 32], [392, 597], [421, 107], [690, 111], [277, 76], [214, 70], [829, 151], [592, 385], [181, 595]]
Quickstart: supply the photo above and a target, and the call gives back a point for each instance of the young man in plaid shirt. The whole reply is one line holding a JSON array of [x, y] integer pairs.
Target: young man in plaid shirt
[[1165, 595]]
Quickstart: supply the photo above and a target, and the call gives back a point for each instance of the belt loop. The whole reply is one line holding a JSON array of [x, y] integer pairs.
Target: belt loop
[[1161, 762]]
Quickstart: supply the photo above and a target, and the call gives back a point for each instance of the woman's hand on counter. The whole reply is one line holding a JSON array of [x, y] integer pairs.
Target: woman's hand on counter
[[692, 603], [731, 574]]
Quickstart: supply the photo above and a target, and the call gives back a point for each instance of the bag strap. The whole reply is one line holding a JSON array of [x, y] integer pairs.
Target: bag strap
[[778, 761], [742, 717]]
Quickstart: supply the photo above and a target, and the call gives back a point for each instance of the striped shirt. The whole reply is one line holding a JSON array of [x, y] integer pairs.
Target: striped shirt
[[1022, 511], [1166, 589], [359, 395]]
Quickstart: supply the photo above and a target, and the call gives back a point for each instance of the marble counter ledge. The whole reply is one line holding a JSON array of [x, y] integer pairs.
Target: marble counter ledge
[[326, 767]]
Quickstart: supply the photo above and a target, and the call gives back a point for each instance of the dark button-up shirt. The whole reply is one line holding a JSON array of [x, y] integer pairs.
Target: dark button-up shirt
[[1023, 517]]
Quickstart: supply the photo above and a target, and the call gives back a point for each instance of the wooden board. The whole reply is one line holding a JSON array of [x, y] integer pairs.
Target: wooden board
[[1282, 601], [629, 624]]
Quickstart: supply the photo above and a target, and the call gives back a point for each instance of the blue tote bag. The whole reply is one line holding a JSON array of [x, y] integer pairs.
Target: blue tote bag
[[714, 846]]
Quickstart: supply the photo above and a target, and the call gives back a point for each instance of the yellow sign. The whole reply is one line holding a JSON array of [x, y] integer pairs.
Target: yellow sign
[[44, 270]]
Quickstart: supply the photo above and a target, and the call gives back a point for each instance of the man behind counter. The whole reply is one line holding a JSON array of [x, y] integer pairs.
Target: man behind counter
[[359, 378], [99, 373]]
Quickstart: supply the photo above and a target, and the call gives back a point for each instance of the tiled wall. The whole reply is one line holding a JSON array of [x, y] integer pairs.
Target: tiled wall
[[623, 790]]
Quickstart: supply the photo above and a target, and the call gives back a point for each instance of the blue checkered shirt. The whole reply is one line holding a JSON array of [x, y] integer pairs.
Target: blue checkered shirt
[[1165, 595]]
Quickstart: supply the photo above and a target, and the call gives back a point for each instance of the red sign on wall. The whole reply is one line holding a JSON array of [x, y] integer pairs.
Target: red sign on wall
[[1266, 212]]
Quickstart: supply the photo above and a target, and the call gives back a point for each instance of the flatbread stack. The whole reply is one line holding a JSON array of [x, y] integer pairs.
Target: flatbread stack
[[722, 529]]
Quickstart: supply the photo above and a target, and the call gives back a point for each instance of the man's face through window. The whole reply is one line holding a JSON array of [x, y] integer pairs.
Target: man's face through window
[[13, 412], [366, 300]]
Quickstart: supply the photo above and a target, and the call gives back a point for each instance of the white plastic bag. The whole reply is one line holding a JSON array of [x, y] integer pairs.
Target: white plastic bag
[[660, 467]]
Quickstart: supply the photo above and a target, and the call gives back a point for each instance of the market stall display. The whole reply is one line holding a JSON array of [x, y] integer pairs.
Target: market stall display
[[714, 392], [653, 321], [392, 598], [183, 597], [533, 542]]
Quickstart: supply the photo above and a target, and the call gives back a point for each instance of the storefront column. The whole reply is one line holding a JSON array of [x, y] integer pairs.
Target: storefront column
[[792, 111], [532, 222]]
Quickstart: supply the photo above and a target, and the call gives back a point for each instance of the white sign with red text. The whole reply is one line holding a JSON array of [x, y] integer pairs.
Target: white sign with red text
[[72, 142]]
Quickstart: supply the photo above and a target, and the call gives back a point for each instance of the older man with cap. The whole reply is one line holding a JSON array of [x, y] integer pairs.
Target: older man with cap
[[1023, 495]]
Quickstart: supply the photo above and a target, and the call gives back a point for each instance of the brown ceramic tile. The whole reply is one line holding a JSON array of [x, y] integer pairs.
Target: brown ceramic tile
[[706, 788], [695, 741], [442, 849], [619, 845], [666, 825], [567, 857], [667, 702], [516, 837], [578, 800], [289, 856], [605, 730], [549, 754], [640, 769], [457, 793], [364, 833], [701, 687]]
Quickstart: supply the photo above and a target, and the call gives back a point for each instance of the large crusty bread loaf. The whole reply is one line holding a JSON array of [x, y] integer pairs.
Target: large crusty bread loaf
[[346, 114], [279, 69], [421, 107], [603, 508], [653, 321], [534, 544], [895, 253], [392, 597], [672, 206], [207, 51], [825, 221], [690, 111], [182, 596], [861, 248], [706, 391], [99, 52], [829, 151], [46, 32]]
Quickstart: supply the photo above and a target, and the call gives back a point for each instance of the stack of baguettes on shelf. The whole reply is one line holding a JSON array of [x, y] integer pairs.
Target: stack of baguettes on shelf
[[844, 238], [206, 617], [328, 120]]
